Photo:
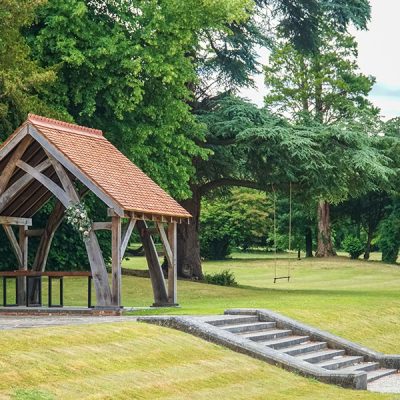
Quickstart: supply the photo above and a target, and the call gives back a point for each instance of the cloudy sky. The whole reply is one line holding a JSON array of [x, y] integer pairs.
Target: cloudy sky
[[379, 55]]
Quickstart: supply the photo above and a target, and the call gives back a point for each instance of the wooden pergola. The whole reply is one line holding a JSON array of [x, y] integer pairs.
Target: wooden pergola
[[46, 158]]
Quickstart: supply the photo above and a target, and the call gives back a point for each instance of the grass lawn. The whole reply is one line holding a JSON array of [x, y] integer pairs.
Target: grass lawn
[[139, 361], [355, 299]]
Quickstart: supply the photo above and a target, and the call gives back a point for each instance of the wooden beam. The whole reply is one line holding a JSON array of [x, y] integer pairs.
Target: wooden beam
[[102, 226], [19, 185], [116, 261], [15, 221], [34, 232], [70, 166], [53, 222], [59, 193], [14, 243], [144, 216], [99, 271], [165, 243], [156, 274], [12, 162], [14, 141], [63, 177], [127, 235], [173, 265], [23, 244]]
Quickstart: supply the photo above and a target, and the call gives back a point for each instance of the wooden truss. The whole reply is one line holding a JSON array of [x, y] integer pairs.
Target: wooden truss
[[57, 174]]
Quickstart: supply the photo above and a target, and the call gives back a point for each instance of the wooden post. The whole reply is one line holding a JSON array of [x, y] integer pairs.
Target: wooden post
[[156, 274], [99, 271], [116, 261], [23, 244], [172, 266]]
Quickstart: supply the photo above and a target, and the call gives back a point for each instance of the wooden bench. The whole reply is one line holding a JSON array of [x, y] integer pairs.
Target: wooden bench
[[36, 277]]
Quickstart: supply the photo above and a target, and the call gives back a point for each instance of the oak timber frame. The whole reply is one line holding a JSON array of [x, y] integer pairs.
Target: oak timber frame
[[58, 175]]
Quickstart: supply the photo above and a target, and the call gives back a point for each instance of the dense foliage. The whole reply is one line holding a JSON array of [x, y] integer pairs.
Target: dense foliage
[[241, 218], [160, 78]]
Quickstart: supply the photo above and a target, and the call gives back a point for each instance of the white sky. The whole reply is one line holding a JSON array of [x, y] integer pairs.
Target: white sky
[[379, 55]]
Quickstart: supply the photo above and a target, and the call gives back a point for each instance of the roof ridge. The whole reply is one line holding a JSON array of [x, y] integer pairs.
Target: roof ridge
[[62, 125]]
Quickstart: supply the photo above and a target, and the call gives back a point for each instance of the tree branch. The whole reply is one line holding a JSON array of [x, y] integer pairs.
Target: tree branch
[[216, 142], [207, 187]]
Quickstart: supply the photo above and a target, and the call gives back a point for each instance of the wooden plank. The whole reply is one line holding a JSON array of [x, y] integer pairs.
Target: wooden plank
[[19, 185], [156, 274], [99, 271], [173, 266], [14, 243], [101, 226], [15, 221], [127, 235], [116, 261], [60, 157], [59, 193], [165, 243], [34, 232], [12, 162], [23, 244]]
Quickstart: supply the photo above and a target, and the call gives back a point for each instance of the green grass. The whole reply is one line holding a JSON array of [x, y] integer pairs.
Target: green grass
[[355, 299], [139, 361]]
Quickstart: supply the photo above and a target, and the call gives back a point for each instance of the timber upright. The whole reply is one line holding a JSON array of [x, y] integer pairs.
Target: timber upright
[[46, 158]]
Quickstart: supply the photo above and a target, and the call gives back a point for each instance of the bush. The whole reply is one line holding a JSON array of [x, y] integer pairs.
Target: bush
[[224, 278], [353, 246]]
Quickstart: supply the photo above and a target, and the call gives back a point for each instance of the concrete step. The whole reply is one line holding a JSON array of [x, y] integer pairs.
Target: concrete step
[[267, 334], [363, 366], [340, 362], [319, 356], [244, 328], [232, 320], [304, 348], [284, 342], [379, 373]]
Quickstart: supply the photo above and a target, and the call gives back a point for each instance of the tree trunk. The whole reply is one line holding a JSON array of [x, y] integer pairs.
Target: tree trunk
[[189, 261], [309, 250], [325, 246], [368, 245]]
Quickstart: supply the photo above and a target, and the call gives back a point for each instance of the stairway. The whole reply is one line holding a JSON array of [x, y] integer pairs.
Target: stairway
[[318, 353]]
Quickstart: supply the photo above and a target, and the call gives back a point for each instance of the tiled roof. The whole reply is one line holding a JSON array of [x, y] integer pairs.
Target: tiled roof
[[108, 168]]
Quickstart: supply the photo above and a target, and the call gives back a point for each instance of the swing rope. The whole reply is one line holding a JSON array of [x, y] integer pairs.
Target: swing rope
[[289, 271]]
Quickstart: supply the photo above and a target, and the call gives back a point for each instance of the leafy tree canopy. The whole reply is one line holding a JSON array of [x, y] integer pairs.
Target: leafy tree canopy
[[127, 70], [21, 79], [241, 218]]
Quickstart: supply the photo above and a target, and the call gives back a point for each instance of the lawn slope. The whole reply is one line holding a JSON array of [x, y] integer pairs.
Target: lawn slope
[[139, 361]]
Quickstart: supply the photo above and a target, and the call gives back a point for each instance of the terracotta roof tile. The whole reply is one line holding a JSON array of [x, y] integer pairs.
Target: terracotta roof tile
[[106, 166]]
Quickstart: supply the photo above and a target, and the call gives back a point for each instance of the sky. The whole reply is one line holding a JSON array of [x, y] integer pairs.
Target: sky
[[379, 56]]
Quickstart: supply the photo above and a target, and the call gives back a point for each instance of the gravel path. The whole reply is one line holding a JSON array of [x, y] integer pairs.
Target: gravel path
[[388, 384], [12, 322]]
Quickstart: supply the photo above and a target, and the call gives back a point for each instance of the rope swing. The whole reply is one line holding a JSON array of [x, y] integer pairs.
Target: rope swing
[[289, 270]]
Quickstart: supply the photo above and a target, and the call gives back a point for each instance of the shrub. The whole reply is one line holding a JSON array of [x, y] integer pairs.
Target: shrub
[[224, 278], [353, 246]]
